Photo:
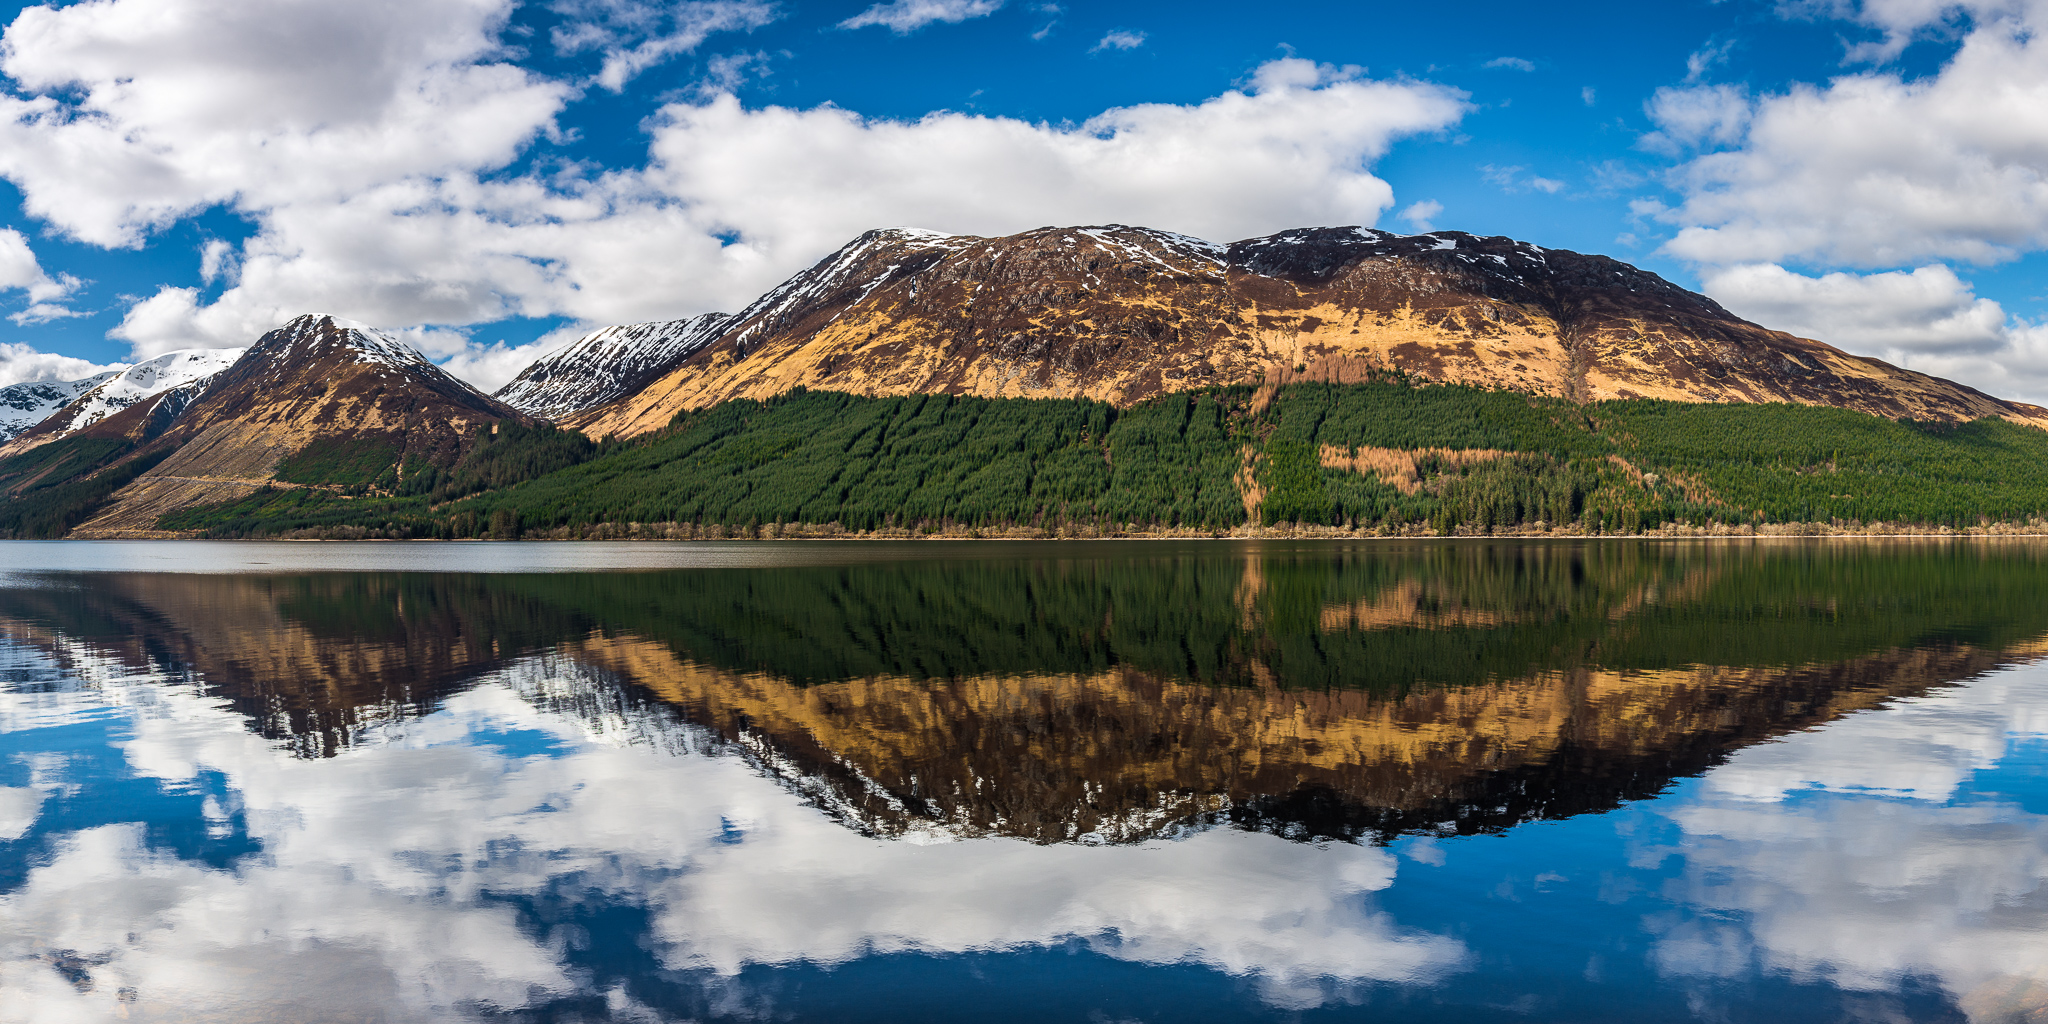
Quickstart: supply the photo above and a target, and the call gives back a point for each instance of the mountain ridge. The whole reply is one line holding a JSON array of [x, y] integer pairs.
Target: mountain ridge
[[1121, 314]]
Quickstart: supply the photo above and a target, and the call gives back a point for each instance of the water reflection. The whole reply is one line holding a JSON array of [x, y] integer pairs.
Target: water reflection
[[994, 787]]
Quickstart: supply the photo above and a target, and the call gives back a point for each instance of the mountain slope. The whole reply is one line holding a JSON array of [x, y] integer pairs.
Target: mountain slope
[[24, 405], [607, 364], [321, 401], [1122, 314]]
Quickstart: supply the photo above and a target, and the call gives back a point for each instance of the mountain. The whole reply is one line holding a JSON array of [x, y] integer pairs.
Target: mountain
[[24, 405], [607, 364], [1122, 314], [321, 402], [173, 379]]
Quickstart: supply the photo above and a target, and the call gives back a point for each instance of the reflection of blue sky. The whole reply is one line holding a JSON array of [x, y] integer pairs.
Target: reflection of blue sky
[[505, 851]]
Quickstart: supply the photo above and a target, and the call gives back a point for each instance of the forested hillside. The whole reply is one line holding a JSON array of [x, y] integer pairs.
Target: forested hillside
[[1385, 456]]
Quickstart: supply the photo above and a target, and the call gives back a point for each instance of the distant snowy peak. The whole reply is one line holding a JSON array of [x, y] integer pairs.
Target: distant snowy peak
[[607, 364], [24, 405], [189, 370]]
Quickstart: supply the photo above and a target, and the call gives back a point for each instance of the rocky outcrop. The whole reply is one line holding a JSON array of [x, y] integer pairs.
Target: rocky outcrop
[[1122, 314]]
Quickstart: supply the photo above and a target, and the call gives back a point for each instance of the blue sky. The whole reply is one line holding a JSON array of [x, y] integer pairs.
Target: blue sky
[[493, 177]]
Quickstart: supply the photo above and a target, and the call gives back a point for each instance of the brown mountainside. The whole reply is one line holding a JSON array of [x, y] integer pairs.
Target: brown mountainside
[[316, 379], [1122, 314]]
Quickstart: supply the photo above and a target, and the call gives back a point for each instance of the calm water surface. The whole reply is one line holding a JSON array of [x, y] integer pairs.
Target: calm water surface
[[1085, 782]]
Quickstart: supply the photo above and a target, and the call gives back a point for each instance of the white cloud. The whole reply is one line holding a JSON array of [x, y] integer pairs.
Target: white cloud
[[144, 111], [1695, 117], [1704, 59], [635, 35], [42, 313], [1900, 21], [487, 366], [20, 271], [20, 362], [1589, 95], [1422, 215], [1873, 169], [905, 16], [216, 258], [1118, 39], [1512, 64], [1926, 319]]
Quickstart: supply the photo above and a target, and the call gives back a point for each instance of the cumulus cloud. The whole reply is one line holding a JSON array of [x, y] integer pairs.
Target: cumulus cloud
[[1872, 169], [1924, 310], [635, 35], [21, 271], [1422, 215], [905, 16], [142, 112], [1695, 117], [20, 363], [1926, 319]]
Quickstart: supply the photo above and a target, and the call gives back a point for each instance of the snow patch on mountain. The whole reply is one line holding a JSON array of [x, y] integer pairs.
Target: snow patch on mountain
[[607, 364], [24, 405], [188, 369]]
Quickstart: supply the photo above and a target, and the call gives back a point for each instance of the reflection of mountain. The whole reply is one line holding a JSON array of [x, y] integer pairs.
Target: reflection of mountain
[[1118, 696], [1122, 755], [309, 659]]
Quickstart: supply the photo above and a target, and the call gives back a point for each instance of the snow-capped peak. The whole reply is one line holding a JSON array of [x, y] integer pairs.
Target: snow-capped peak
[[144, 380], [369, 343]]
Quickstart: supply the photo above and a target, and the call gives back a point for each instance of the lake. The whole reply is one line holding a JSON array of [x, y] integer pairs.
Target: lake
[[1092, 782]]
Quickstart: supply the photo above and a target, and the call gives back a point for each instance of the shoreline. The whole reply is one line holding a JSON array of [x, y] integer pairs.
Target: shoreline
[[683, 532]]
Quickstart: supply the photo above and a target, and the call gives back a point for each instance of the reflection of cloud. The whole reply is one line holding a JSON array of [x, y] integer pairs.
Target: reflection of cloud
[[1841, 849], [18, 808], [1246, 903], [367, 891]]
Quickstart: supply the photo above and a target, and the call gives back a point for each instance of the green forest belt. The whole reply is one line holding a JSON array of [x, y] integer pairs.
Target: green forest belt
[[1191, 461]]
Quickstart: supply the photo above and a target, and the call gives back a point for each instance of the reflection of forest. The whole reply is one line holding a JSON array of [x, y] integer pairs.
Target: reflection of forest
[[1307, 691]]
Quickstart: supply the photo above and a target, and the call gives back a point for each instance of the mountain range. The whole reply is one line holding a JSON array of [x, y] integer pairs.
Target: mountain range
[[1116, 315]]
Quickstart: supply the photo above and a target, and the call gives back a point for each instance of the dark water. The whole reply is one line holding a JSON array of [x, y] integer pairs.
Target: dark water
[[1086, 782]]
